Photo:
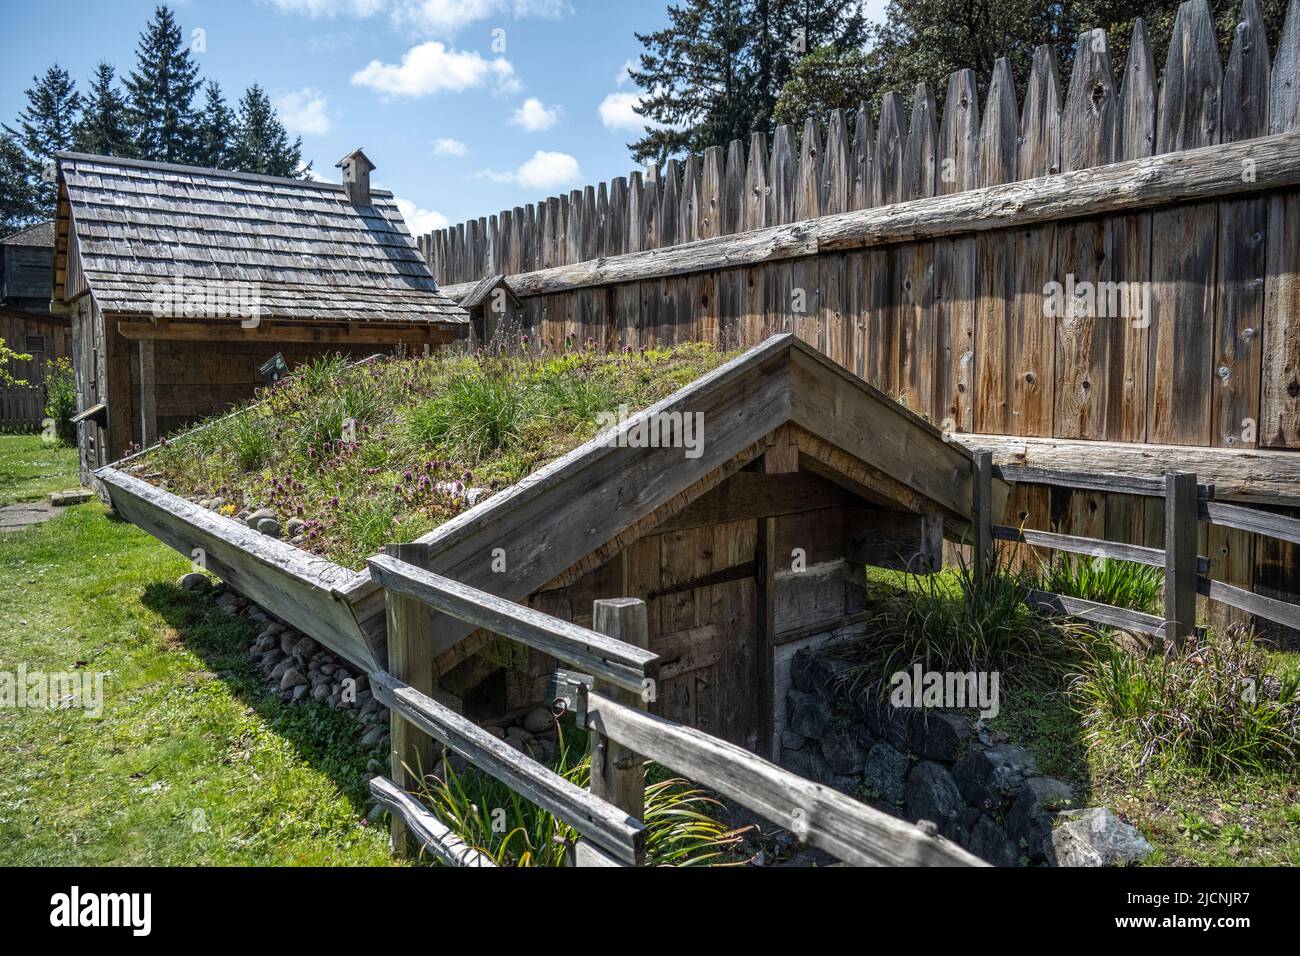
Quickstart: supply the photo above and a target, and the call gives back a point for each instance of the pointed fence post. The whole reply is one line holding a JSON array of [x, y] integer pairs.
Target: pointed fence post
[[1181, 517], [410, 659], [618, 774]]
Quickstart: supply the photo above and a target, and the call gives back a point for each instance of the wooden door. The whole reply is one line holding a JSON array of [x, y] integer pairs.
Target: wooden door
[[706, 634]]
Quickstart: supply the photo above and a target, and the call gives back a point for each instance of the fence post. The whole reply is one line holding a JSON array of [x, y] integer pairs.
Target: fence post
[[1181, 517], [410, 659], [618, 774], [982, 514]]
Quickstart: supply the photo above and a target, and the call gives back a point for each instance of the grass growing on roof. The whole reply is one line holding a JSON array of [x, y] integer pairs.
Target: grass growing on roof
[[387, 450]]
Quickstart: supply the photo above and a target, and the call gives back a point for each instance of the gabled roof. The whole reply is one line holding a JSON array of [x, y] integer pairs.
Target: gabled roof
[[477, 295], [41, 234], [312, 254], [602, 496]]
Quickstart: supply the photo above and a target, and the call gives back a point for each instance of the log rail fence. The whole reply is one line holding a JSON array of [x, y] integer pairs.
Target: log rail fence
[[607, 698], [1187, 504]]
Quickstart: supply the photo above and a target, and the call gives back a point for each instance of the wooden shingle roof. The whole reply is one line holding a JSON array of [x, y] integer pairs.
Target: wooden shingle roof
[[41, 234], [312, 255]]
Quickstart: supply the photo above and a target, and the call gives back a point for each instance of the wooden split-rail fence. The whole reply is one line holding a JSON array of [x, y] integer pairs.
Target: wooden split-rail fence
[[617, 675], [1187, 504], [916, 246]]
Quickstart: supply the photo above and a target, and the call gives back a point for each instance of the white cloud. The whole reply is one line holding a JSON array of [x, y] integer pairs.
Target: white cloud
[[617, 112], [432, 68], [321, 9], [544, 171], [420, 221], [304, 111], [534, 116], [624, 75], [445, 18], [450, 147]]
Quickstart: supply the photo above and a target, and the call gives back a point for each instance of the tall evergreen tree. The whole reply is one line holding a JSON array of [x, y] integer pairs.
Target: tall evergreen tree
[[714, 73], [261, 144], [18, 205], [217, 130], [104, 127], [45, 127], [161, 91]]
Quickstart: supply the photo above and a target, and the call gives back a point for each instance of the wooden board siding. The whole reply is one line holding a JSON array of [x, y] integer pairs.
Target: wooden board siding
[[23, 331]]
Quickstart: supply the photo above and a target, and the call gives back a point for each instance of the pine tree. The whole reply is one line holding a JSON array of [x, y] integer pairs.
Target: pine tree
[[714, 73], [696, 77], [18, 205], [161, 92], [104, 125], [44, 128], [261, 144], [217, 129]]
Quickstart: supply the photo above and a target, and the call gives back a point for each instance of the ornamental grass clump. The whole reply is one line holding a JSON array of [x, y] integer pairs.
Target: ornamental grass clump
[[681, 821], [1222, 704]]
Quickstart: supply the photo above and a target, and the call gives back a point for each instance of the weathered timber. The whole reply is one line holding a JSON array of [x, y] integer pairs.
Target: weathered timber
[[818, 815], [431, 833], [615, 832], [1122, 618], [615, 661]]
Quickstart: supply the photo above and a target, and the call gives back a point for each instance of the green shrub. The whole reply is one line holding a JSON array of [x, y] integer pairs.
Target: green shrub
[[1105, 581], [680, 826], [1219, 705], [61, 398]]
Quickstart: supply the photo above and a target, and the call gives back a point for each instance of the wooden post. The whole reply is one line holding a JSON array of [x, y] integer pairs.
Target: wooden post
[[1181, 517], [410, 659], [618, 774], [982, 514]]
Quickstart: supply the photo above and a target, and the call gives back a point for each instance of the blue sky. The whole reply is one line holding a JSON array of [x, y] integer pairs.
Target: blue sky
[[466, 106]]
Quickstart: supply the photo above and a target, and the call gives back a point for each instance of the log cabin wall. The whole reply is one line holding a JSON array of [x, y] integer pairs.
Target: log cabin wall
[[1206, 350], [194, 380]]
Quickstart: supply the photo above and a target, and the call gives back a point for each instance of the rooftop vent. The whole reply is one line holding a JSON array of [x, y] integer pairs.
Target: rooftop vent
[[356, 167]]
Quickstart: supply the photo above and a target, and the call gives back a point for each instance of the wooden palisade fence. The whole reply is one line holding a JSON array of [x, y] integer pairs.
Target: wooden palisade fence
[[22, 408], [916, 249], [618, 673]]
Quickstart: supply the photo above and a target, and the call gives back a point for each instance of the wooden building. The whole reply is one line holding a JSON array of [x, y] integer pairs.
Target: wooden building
[[746, 544], [26, 324], [183, 282]]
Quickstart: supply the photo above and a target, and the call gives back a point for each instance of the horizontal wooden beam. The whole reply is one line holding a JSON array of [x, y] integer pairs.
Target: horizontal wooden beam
[[615, 832], [331, 333], [1271, 609], [619, 663], [1119, 617], [1251, 519], [1118, 551], [1240, 474], [818, 815], [1145, 486], [748, 495], [421, 823], [1165, 179]]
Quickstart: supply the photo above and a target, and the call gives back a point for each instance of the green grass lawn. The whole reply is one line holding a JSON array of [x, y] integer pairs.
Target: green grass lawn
[[30, 468], [190, 763]]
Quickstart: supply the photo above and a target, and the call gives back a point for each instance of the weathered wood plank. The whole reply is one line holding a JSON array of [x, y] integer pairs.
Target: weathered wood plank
[[1242, 475], [440, 840], [621, 664], [615, 832], [1183, 272], [818, 815]]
